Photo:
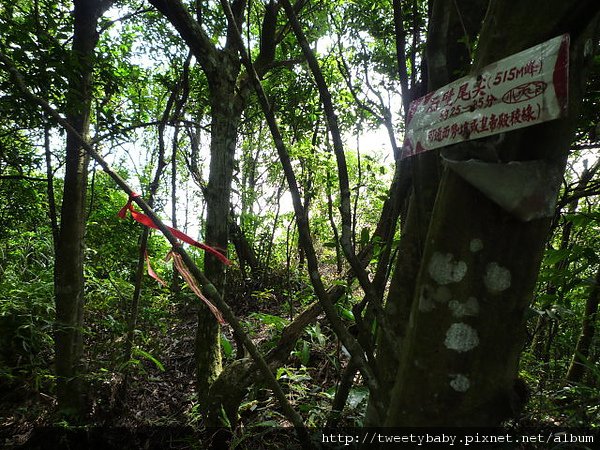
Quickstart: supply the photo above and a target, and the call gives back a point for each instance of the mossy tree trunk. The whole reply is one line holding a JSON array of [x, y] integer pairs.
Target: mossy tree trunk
[[225, 112], [228, 91], [447, 58]]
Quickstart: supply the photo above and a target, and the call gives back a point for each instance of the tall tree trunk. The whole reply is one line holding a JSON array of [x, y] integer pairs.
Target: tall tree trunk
[[68, 270], [459, 353], [226, 113], [175, 285], [245, 251], [450, 56], [50, 188]]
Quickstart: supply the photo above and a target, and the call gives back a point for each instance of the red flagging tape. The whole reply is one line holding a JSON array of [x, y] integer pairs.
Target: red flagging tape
[[151, 271], [177, 261], [147, 221]]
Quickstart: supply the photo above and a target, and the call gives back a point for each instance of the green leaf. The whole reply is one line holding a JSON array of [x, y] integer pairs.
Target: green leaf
[[364, 236], [148, 356], [346, 313], [268, 319], [555, 256], [357, 396], [226, 346], [305, 353]]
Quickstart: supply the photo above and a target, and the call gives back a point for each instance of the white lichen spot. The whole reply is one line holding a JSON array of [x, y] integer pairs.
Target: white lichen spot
[[462, 309], [444, 270], [460, 383], [497, 278], [475, 245], [461, 337]]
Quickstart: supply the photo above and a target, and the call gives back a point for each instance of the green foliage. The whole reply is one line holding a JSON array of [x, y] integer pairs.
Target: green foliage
[[270, 320], [565, 283], [145, 354], [26, 310], [226, 346], [35, 34]]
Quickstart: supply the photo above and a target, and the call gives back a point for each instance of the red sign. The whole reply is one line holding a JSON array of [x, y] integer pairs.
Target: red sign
[[521, 90]]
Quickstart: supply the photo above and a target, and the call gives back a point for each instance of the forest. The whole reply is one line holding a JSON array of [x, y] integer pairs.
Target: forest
[[288, 223]]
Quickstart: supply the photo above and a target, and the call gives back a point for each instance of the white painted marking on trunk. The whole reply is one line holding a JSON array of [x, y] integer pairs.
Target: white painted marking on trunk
[[461, 337], [444, 270], [497, 278], [460, 383]]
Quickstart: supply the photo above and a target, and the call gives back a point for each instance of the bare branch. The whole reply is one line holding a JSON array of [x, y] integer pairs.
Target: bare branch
[[22, 177], [192, 33]]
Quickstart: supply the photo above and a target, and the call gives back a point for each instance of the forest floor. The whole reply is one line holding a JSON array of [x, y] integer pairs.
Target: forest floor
[[157, 394], [151, 401]]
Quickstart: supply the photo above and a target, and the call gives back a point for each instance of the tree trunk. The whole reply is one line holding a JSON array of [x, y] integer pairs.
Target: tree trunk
[[588, 330], [450, 58], [228, 92], [226, 112], [245, 252], [175, 286], [68, 270], [50, 188], [464, 330]]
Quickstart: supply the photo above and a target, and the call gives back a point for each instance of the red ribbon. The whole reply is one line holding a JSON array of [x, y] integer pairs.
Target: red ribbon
[[151, 271], [147, 221], [177, 261]]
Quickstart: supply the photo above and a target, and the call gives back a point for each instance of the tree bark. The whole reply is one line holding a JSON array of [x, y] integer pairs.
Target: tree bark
[[50, 188], [68, 269], [226, 113], [464, 330], [450, 58]]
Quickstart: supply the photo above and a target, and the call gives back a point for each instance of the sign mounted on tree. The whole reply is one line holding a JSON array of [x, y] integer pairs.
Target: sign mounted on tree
[[521, 90]]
